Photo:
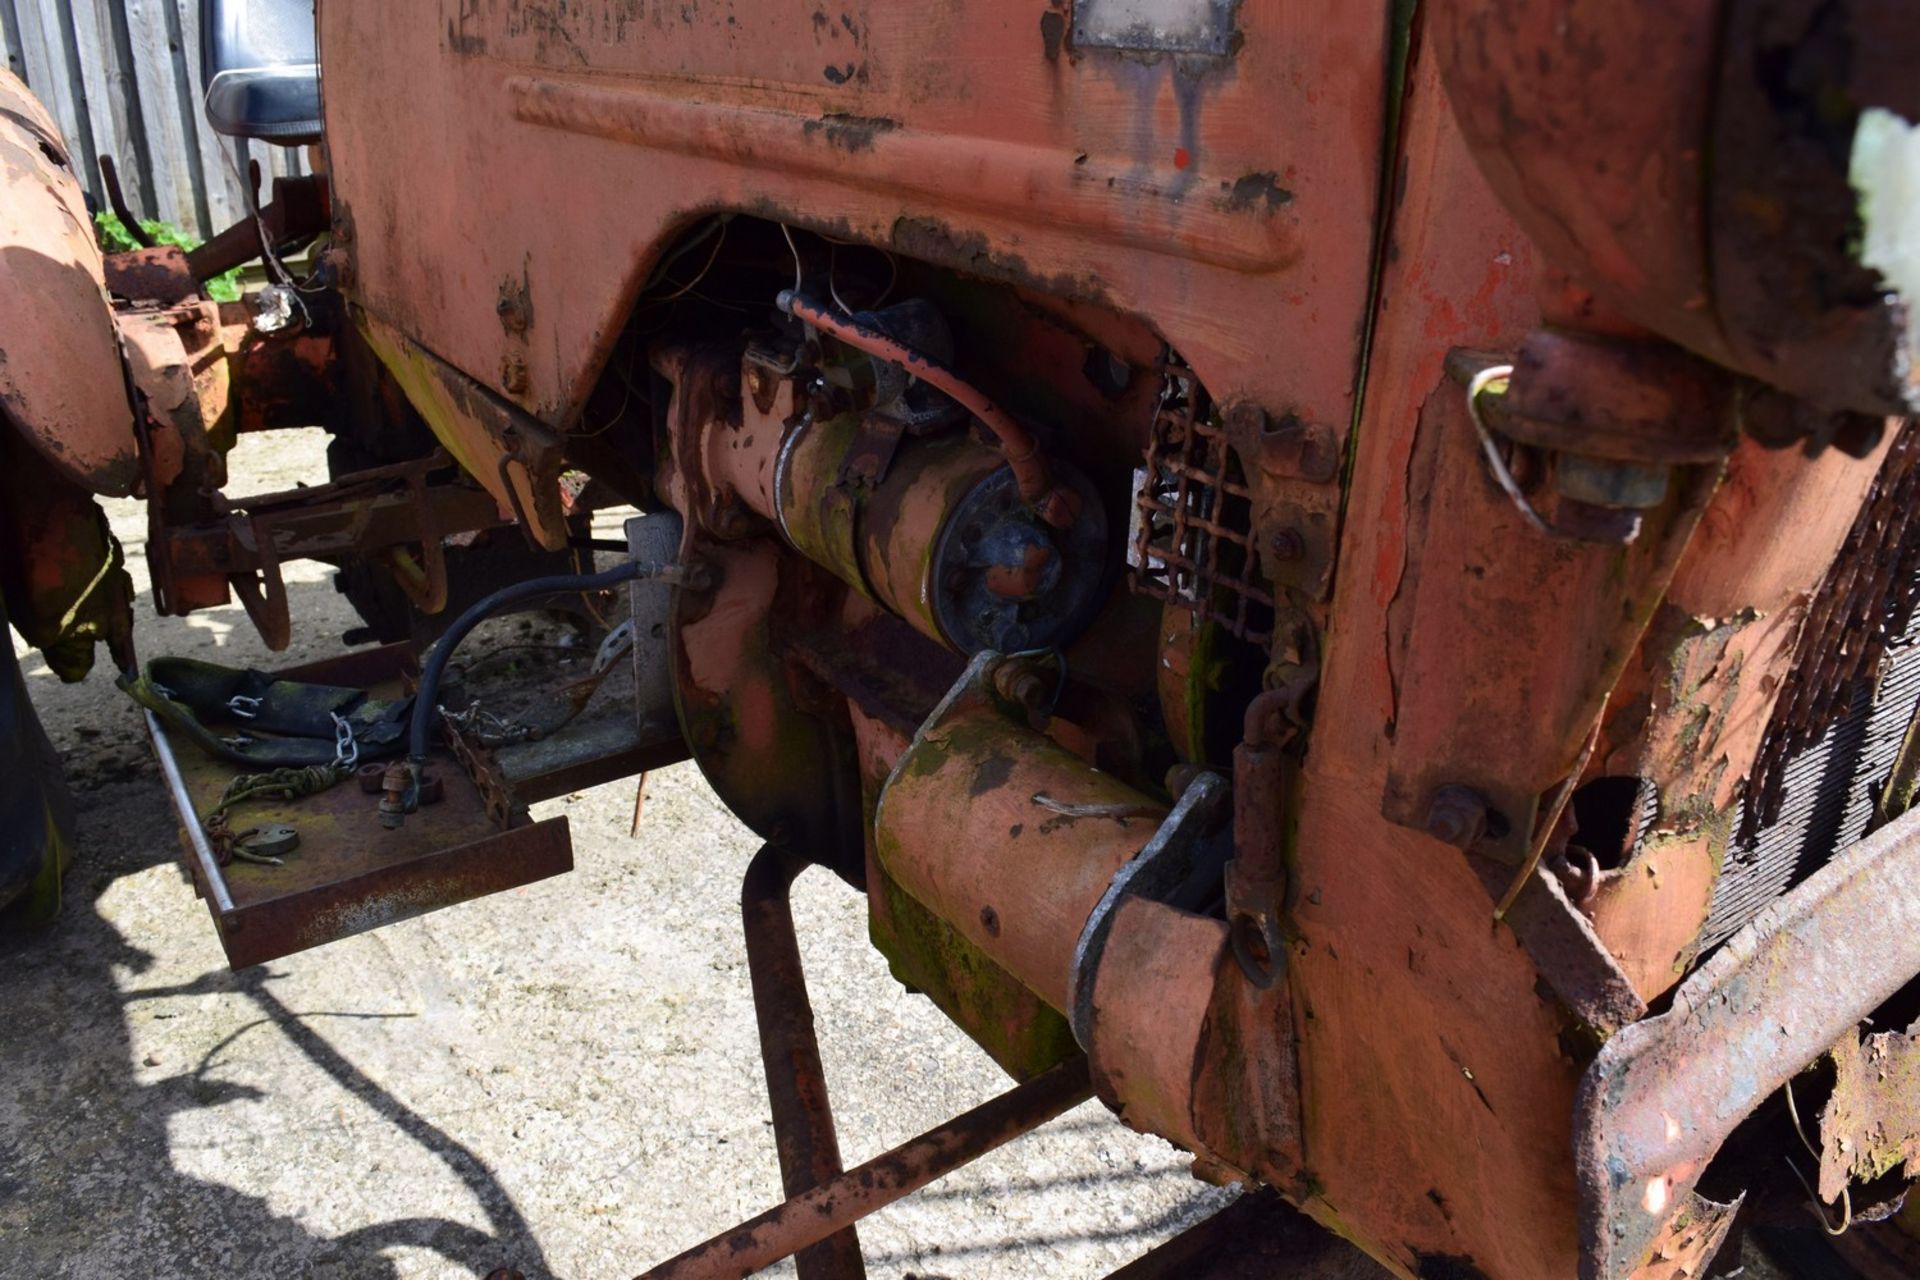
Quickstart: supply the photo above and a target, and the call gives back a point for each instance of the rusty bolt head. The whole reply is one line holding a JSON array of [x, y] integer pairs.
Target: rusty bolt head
[[371, 778], [1019, 683], [394, 781], [396, 777], [1457, 816], [1286, 546]]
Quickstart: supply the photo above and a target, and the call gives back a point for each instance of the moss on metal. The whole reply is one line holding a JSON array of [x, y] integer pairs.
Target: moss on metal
[[928, 955]]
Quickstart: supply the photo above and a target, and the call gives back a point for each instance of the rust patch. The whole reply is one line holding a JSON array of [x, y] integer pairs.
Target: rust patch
[[515, 305], [849, 132], [1871, 1124], [943, 245], [159, 274], [1690, 1240], [1053, 33], [1257, 191], [991, 774]]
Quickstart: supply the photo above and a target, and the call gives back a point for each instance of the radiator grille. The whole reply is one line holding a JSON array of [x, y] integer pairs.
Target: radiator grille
[[1192, 539], [1844, 711]]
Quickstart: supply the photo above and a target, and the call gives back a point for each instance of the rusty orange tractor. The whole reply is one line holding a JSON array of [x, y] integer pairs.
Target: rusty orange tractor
[[1341, 577]]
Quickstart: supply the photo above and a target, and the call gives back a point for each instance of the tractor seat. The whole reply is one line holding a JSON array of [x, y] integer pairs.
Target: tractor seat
[[262, 77]]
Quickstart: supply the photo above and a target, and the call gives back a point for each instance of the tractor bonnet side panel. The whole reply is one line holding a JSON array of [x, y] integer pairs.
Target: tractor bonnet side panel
[[1216, 175]]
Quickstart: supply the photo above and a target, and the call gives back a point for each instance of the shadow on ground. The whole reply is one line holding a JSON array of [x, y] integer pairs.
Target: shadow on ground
[[86, 1149], [563, 1079]]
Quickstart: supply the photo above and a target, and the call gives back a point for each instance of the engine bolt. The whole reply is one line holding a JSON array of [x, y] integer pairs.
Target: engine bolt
[[1457, 816], [393, 805], [1286, 546], [1018, 682]]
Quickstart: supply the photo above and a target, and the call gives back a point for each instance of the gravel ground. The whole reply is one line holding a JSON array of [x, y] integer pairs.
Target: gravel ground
[[563, 1078]]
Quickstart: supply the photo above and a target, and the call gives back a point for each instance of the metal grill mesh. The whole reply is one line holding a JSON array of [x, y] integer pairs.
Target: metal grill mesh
[[1840, 720], [1192, 540]]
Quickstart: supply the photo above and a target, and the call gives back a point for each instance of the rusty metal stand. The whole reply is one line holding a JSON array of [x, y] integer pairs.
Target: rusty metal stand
[[832, 1206], [796, 1082], [815, 1224]]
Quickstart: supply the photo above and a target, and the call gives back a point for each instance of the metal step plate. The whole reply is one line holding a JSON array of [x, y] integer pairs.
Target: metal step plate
[[349, 874]]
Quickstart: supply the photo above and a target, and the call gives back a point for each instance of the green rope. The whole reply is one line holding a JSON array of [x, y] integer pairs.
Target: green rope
[[289, 783]]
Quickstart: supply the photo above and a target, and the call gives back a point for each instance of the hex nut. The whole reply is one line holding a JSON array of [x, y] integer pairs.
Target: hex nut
[[1457, 816]]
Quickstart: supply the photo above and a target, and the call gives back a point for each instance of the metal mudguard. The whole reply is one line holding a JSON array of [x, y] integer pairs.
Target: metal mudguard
[[61, 383], [1666, 1093]]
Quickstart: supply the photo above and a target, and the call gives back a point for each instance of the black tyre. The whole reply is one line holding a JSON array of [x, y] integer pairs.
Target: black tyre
[[36, 809]]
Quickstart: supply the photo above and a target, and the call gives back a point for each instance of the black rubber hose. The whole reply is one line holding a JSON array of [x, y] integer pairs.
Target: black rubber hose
[[426, 701]]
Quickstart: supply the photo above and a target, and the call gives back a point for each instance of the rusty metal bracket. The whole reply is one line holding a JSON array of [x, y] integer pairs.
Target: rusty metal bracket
[[377, 510], [428, 592], [1665, 1093], [1263, 769], [300, 209], [1565, 947], [875, 443], [1163, 871], [477, 761], [263, 591], [157, 275]]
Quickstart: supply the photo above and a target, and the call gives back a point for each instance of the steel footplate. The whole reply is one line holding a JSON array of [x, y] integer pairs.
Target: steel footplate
[[348, 874]]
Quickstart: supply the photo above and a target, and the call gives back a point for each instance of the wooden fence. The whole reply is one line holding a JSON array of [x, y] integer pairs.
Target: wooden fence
[[122, 78]]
